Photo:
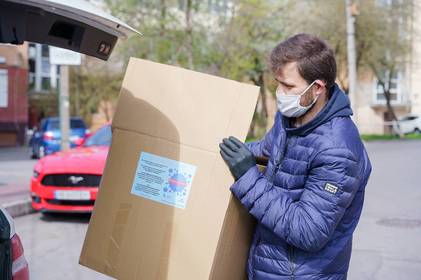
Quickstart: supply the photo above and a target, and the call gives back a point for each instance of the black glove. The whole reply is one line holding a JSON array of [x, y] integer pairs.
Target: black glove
[[237, 156]]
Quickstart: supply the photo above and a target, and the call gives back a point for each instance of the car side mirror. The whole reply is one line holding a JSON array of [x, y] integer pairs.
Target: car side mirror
[[80, 141]]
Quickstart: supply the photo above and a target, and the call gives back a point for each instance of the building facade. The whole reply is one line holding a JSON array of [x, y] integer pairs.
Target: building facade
[[13, 94]]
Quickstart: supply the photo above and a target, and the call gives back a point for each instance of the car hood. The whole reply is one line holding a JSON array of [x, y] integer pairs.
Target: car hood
[[85, 160]]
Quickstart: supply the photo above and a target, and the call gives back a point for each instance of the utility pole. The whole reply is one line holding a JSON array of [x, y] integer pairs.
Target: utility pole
[[351, 11], [64, 107], [64, 58]]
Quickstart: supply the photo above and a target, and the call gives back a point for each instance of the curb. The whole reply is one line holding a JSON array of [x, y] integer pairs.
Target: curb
[[19, 208]]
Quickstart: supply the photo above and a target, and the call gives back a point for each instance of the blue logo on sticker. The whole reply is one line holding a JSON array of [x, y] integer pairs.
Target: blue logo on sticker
[[177, 183], [163, 180]]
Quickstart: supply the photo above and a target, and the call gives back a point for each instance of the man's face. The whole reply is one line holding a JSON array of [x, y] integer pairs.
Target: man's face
[[291, 83]]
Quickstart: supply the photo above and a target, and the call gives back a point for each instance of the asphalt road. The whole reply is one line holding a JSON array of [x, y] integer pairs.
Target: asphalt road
[[387, 243], [52, 246], [15, 172]]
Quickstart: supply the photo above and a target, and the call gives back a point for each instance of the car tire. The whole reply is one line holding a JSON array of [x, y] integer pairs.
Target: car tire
[[34, 155], [417, 130]]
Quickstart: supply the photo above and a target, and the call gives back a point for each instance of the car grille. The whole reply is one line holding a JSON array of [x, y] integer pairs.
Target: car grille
[[71, 202], [71, 180]]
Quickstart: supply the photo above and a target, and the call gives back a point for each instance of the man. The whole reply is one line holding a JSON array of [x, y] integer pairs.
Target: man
[[308, 201]]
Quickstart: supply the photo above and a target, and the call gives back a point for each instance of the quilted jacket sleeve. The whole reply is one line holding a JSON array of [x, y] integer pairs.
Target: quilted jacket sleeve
[[309, 222], [261, 148]]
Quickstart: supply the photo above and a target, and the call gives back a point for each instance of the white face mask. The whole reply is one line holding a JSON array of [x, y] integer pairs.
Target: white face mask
[[289, 105]]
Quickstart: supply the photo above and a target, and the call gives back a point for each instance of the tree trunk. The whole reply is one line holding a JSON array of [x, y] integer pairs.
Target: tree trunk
[[391, 112], [163, 8], [271, 109], [189, 31]]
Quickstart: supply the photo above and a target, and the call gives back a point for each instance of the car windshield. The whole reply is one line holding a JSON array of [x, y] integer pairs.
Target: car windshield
[[77, 124], [54, 124], [100, 138]]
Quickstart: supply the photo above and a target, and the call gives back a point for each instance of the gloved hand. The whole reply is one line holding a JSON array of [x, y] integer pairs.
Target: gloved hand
[[237, 156]]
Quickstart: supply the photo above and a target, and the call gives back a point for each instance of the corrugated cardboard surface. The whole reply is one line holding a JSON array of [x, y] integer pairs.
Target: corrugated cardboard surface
[[181, 115]]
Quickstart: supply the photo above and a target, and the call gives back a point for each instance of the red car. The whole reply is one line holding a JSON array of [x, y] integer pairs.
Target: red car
[[68, 181]]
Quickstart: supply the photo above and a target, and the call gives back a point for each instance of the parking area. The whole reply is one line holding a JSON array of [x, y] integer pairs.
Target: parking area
[[386, 243]]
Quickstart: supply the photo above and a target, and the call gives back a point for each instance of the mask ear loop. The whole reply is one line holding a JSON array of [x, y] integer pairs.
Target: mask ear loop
[[314, 101], [308, 87]]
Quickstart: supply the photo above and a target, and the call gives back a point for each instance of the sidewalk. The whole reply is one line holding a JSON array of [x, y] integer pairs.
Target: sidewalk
[[15, 172]]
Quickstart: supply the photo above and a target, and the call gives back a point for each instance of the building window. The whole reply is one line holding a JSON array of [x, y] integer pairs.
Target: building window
[[45, 67], [41, 71], [45, 51], [31, 81], [45, 84], [31, 75], [32, 51], [4, 88], [395, 90]]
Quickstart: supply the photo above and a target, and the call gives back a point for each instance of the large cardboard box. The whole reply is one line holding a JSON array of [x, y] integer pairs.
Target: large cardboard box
[[164, 208]]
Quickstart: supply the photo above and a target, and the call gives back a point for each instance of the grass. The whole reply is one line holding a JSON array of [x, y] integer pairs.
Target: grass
[[376, 137]]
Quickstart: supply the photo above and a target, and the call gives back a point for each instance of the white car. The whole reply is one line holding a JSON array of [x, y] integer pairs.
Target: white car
[[410, 123]]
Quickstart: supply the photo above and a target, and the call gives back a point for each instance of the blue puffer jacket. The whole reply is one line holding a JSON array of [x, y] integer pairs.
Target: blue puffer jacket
[[309, 199]]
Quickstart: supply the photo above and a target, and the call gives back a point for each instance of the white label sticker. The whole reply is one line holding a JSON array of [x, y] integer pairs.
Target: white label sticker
[[163, 180], [331, 188]]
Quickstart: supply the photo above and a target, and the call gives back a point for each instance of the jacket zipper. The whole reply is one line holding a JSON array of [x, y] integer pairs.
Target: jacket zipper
[[277, 166], [290, 247], [292, 261], [253, 253]]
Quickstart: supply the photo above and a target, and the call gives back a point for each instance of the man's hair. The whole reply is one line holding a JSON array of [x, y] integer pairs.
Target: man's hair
[[314, 58]]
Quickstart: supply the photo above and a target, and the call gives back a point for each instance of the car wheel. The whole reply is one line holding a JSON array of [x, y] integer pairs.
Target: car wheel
[[33, 154], [417, 130]]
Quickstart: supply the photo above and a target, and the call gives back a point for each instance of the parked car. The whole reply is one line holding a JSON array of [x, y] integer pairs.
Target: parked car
[[68, 181], [12, 259], [410, 123], [46, 139]]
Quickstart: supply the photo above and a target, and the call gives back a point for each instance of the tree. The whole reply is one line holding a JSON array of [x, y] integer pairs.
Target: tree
[[384, 33], [383, 36], [250, 34], [172, 32], [93, 84], [227, 38]]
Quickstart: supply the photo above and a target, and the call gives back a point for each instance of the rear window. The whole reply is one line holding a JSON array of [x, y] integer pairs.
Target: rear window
[[77, 124], [409, 118], [100, 138], [55, 124]]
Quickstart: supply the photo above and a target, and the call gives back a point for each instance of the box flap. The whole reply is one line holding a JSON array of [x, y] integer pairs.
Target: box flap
[[202, 119]]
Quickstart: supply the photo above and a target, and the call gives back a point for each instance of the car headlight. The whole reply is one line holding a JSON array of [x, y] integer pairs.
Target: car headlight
[[35, 174]]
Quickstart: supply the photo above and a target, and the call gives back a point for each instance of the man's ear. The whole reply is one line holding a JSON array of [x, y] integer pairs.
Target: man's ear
[[320, 87]]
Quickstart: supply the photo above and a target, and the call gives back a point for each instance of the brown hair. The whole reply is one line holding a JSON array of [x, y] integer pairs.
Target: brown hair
[[314, 58]]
